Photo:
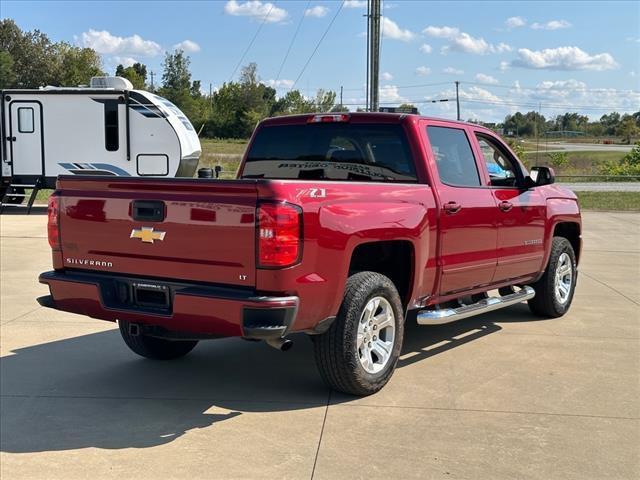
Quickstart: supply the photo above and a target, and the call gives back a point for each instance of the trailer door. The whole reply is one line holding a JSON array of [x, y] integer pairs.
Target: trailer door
[[25, 138]]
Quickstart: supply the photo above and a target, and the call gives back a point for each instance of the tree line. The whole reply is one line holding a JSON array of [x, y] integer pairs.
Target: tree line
[[29, 59]]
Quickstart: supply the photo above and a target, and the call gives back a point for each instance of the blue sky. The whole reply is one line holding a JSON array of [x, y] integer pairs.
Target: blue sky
[[577, 56]]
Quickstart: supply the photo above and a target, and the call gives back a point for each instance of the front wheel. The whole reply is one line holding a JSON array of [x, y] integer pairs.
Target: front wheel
[[359, 352], [152, 347], [555, 289]]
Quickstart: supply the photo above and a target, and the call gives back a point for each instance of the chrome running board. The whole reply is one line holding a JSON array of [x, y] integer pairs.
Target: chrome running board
[[489, 304]]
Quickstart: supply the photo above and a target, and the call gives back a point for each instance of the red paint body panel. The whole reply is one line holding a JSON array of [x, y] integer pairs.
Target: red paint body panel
[[210, 236]]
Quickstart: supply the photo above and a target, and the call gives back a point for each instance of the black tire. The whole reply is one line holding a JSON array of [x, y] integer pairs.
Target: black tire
[[155, 348], [336, 350], [546, 302]]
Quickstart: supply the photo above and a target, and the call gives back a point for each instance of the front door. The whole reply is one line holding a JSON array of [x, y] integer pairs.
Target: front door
[[520, 212], [25, 137], [468, 234]]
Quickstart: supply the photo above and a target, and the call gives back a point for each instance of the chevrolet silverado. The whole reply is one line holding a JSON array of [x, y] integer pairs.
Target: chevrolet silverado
[[338, 226]]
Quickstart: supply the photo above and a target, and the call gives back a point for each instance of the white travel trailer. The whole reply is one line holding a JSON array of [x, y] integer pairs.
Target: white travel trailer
[[104, 129]]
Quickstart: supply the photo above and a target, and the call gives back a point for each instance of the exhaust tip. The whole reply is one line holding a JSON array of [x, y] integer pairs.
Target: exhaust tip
[[282, 344]]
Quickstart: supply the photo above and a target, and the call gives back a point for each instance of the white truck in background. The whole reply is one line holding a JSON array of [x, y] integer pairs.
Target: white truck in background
[[107, 128]]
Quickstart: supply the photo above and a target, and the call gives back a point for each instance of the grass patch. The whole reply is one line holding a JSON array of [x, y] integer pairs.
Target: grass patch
[[578, 163], [621, 201], [221, 145]]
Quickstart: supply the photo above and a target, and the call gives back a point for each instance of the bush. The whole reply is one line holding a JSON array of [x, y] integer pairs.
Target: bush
[[558, 159], [629, 165]]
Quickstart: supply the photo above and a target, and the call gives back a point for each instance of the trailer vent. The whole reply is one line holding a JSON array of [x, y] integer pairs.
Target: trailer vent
[[118, 83]]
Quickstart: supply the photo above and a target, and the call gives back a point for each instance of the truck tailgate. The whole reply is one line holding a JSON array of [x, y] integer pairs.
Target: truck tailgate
[[175, 228]]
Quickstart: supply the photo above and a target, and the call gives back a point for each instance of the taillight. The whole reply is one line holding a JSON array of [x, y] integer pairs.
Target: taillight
[[279, 235], [53, 222], [330, 118]]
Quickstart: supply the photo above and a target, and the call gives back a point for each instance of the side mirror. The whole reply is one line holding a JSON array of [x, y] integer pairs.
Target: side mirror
[[542, 176]]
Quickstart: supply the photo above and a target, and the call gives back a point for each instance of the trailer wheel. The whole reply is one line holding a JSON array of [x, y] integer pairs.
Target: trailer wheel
[[155, 348], [359, 352], [554, 290]]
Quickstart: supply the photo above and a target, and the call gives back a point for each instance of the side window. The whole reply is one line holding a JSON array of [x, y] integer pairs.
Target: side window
[[25, 120], [454, 157], [502, 171], [111, 134]]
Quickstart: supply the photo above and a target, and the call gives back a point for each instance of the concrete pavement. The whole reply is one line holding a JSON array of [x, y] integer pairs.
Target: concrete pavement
[[502, 396]]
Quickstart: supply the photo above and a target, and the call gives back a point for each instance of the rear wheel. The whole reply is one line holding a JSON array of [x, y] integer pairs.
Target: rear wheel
[[155, 348], [555, 289], [359, 352]]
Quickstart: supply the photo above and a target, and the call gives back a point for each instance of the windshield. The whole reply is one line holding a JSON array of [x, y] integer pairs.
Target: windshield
[[331, 151]]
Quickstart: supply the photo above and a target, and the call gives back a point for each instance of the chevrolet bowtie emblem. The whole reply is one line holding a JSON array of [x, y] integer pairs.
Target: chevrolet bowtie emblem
[[147, 234]]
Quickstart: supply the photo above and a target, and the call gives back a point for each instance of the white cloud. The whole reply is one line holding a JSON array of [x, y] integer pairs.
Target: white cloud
[[390, 29], [423, 71], [386, 76], [188, 46], [633, 39], [318, 11], [463, 42], [389, 93], [124, 61], [105, 43], [452, 71], [441, 32], [504, 65], [426, 48], [481, 77], [284, 83], [355, 3], [515, 22], [563, 58], [257, 10], [551, 25]]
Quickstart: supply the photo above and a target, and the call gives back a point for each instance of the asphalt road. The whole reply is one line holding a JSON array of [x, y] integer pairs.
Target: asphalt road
[[503, 396], [603, 186], [582, 147]]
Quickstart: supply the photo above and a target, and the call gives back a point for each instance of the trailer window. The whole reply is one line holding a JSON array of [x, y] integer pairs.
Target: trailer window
[[332, 151], [111, 134], [25, 120]]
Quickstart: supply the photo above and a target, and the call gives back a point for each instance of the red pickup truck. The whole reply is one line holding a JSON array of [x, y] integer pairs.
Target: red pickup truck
[[338, 226]]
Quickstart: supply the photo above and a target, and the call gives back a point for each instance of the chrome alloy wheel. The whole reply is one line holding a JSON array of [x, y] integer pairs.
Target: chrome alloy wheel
[[563, 279], [376, 333]]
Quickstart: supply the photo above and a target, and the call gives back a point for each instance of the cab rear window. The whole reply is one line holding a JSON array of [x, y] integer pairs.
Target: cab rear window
[[331, 151]]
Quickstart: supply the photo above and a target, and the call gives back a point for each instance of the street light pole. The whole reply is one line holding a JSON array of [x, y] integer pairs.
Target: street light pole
[[373, 57], [458, 100]]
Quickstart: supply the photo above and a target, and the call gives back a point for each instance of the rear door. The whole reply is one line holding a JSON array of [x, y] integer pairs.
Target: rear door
[[468, 234], [520, 212], [25, 137], [170, 229]]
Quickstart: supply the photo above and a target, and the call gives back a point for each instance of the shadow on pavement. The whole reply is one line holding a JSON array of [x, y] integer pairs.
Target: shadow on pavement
[[35, 210], [90, 391]]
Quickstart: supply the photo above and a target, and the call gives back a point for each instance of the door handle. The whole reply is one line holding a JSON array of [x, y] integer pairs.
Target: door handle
[[11, 139], [452, 207], [505, 206]]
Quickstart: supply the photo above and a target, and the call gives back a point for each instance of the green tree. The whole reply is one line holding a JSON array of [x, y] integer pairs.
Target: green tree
[[627, 128], [76, 65], [7, 74], [325, 100], [136, 74]]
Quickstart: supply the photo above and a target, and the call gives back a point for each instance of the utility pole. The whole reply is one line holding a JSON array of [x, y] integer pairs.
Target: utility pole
[[151, 74], [458, 99], [340, 97], [373, 47]]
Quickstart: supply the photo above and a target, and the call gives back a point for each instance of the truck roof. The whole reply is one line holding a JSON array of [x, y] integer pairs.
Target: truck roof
[[358, 117]]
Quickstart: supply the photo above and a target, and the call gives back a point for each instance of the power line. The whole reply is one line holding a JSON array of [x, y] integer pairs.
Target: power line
[[551, 87], [286, 55], [252, 40], [318, 44]]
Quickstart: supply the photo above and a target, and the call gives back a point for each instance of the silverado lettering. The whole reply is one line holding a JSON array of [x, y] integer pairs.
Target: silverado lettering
[[342, 227]]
